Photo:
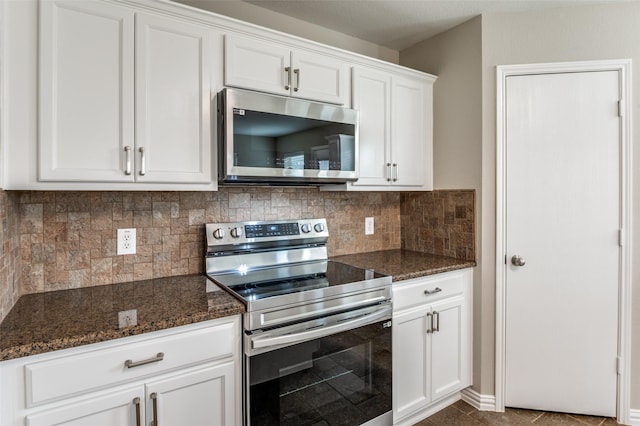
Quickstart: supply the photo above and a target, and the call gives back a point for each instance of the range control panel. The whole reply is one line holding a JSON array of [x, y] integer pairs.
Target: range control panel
[[238, 233]]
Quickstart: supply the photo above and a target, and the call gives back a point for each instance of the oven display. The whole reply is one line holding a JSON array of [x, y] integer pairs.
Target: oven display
[[271, 230]]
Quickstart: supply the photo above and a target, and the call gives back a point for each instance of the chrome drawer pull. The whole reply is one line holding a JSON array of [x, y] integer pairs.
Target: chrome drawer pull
[[288, 71], [154, 399], [136, 402], [429, 323], [434, 291], [436, 320], [127, 168], [143, 162], [130, 364]]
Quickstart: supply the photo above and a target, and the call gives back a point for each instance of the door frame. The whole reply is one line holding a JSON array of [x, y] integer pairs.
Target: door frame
[[623, 66]]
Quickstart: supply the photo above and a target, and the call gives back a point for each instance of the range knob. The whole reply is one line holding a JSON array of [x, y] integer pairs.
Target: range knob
[[318, 227], [306, 228], [236, 232], [219, 234]]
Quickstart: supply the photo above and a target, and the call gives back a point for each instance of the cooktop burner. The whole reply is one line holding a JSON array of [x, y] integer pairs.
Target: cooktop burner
[[260, 284]]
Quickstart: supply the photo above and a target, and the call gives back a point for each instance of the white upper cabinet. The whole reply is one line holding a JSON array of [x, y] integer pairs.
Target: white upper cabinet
[[174, 60], [274, 68], [395, 131], [411, 133], [86, 91], [372, 98]]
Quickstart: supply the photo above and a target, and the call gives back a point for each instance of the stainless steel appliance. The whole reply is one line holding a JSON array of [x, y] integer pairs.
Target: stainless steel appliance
[[317, 333], [272, 139]]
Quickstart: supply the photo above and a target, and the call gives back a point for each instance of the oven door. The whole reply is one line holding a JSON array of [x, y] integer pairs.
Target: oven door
[[333, 370]]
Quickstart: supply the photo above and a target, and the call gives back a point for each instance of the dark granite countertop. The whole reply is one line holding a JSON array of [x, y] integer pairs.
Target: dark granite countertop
[[404, 264], [44, 322]]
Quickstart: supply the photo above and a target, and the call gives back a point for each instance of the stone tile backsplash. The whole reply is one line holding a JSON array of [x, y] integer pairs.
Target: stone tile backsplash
[[9, 252], [68, 239], [58, 240], [440, 222]]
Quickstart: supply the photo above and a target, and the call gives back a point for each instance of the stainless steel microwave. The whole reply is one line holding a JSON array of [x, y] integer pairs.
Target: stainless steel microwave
[[267, 139]]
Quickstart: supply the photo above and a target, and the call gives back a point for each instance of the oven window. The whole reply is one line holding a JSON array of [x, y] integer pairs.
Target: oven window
[[343, 379]]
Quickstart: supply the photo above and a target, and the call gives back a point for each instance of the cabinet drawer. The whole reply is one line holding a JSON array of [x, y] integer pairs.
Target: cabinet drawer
[[419, 291], [94, 369]]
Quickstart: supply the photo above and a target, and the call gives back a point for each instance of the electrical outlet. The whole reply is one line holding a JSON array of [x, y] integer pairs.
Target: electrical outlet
[[127, 318], [126, 241], [368, 226]]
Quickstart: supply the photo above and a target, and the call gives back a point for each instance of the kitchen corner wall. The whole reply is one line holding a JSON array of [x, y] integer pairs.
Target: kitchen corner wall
[[9, 252], [439, 222]]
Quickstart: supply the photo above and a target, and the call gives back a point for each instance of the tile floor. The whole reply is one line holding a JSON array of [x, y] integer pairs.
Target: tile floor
[[462, 414]]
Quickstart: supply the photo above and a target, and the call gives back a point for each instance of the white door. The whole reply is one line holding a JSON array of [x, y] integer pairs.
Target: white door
[[562, 217], [174, 62], [204, 397]]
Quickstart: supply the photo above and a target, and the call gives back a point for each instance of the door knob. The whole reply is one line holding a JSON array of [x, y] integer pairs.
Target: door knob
[[517, 260]]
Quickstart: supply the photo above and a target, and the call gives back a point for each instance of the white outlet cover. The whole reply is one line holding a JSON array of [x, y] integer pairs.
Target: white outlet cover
[[126, 243], [127, 318], [368, 226]]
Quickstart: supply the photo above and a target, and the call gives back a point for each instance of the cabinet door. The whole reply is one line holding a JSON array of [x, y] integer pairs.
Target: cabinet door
[[409, 138], [449, 348], [120, 408], [86, 91], [319, 78], [372, 98], [258, 65], [174, 65], [204, 397], [411, 389]]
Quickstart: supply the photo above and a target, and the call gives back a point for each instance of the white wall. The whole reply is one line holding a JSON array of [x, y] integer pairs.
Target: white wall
[[555, 35], [264, 17]]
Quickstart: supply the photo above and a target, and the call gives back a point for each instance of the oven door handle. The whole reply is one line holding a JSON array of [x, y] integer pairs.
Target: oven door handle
[[332, 326]]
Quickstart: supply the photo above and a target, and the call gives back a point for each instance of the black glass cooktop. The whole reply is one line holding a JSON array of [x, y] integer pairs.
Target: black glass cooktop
[[254, 285]]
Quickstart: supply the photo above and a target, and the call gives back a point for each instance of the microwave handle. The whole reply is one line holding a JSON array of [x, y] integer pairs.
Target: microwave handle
[[261, 342]]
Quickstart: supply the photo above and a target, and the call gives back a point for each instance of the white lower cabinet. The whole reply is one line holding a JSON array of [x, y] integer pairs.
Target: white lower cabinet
[[432, 335], [119, 408], [187, 375]]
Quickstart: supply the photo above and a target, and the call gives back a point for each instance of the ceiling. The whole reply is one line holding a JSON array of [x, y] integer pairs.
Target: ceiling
[[398, 24]]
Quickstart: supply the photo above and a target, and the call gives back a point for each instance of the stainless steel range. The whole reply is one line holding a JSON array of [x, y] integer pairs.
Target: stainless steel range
[[317, 333]]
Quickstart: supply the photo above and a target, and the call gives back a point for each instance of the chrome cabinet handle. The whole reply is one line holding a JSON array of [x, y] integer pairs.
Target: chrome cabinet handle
[[127, 167], [143, 162], [131, 364], [297, 73], [518, 260], [395, 172], [434, 291], [388, 172], [429, 323], [288, 71], [136, 402], [154, 400], [436, 320]]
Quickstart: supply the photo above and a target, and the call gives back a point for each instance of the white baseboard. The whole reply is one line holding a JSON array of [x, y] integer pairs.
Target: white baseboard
[[634, 417], [479, 401]]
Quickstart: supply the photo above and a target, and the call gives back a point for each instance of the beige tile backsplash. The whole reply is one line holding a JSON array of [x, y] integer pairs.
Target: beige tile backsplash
[[9, 252], [57, 240]]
